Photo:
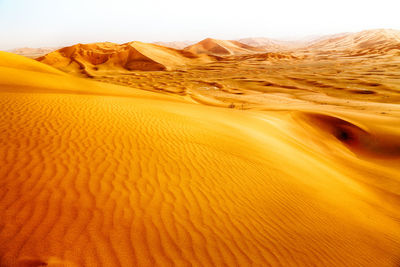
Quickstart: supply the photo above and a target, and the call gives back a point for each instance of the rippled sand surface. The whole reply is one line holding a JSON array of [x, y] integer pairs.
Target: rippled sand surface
[[249, 161]]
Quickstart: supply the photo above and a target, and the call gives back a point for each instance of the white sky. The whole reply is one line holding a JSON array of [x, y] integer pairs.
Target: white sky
[[36, 23]]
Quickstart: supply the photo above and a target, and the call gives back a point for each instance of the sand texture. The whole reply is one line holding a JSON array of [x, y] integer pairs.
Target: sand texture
[[258, 160]]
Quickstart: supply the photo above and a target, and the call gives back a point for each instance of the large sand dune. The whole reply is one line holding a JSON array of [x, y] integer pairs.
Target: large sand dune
[[95, 174], [92, 59]]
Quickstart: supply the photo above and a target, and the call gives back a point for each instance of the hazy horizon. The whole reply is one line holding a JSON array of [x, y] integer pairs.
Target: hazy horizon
[[46, 23]]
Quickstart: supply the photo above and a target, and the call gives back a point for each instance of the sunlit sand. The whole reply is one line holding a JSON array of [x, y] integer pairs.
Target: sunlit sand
[[216, 155]]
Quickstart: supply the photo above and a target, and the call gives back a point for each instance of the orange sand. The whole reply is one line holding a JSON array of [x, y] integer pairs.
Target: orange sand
[[105, 57], [96, 174]]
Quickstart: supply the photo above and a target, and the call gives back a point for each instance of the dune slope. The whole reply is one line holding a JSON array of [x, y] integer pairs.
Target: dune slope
[[92, 59], [96, 174]]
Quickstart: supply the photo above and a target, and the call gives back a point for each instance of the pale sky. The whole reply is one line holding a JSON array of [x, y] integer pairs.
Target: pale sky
[[38, 23]]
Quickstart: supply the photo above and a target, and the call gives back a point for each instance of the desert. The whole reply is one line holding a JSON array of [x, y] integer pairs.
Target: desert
[[249, 152]]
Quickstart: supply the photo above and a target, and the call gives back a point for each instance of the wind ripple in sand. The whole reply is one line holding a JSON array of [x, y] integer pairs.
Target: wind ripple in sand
[[109, 181], [100, 180]]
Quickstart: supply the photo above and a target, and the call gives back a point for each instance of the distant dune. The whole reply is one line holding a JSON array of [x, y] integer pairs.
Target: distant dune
[[175, 45], [95, 174], [33, 52], [261, 42], [90, 59], [269, 45], [369, 41], [221, 47], [373, 41]]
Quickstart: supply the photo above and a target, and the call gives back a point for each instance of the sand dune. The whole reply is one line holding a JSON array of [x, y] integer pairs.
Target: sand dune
[[91, 59], [33, 52], [16, 62], [175, 45], [221, 47], [364, 42], [261, 42], [95, 174], [272, 45]]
